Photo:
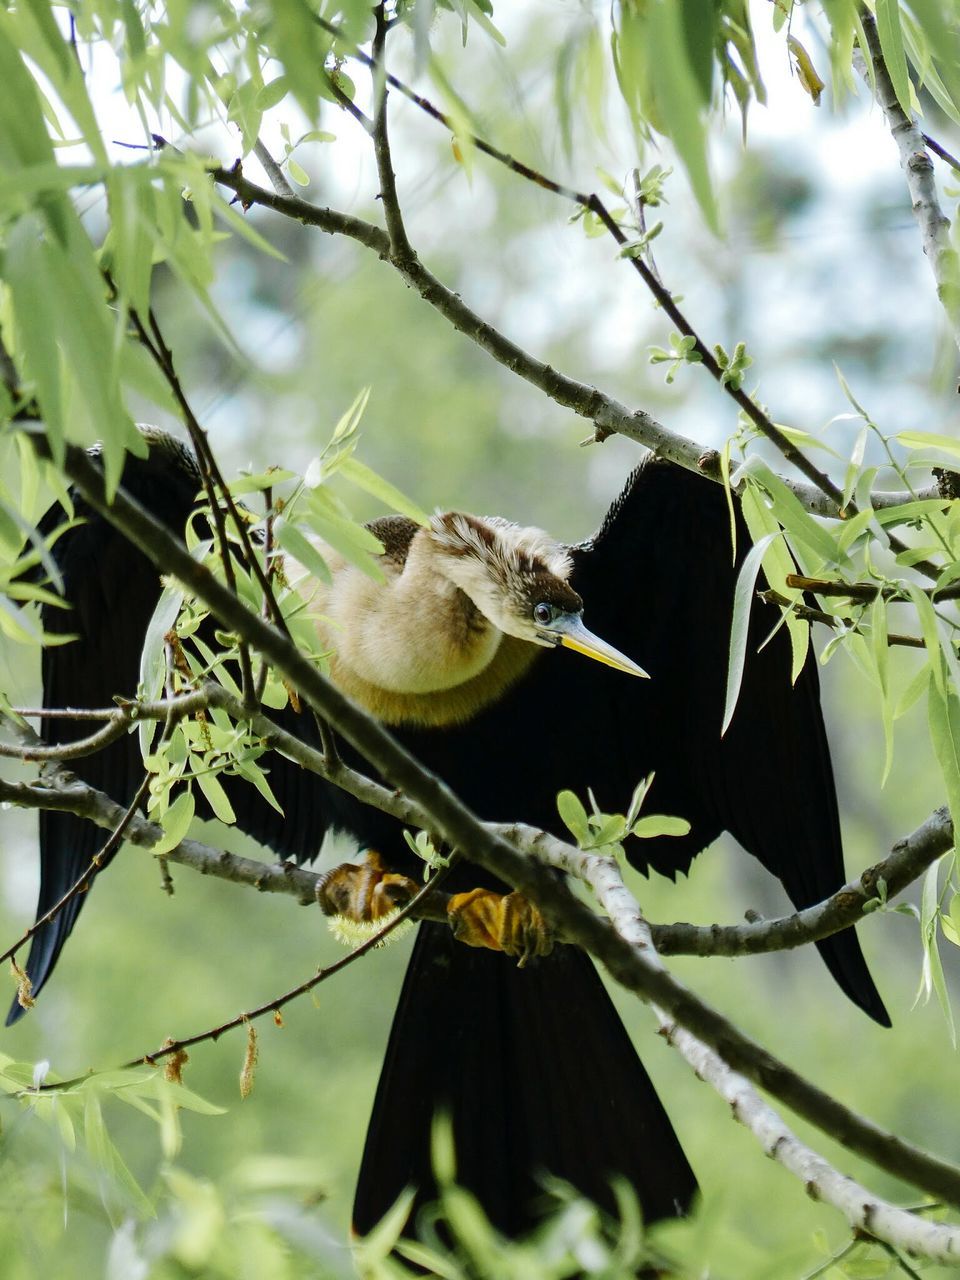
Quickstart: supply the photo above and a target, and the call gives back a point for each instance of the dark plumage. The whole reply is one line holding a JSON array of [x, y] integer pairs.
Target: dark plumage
[[533, 1065]]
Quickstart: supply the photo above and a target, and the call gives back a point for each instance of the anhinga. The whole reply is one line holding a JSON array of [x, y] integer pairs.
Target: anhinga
[[461, 651]]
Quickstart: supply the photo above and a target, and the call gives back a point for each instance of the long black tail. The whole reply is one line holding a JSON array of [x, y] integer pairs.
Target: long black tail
[[537, 1074]]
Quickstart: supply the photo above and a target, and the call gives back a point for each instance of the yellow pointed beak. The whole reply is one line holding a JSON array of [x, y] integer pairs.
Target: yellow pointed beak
[[574, 635]]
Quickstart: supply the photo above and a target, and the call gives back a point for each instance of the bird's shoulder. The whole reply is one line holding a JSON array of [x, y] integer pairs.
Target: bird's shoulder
[[396, 533]]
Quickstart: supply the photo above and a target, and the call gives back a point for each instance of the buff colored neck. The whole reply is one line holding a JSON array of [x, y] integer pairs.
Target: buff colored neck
[[415, 649]]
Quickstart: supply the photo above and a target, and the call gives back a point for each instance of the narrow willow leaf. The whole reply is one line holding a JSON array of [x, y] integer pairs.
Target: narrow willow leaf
[[777, 563], [362, 476], [929, 439], [911, 694], [212, 788], [255, 775], [28, 274], [931, 634], [302, 549], [881, 658], [610, 830], [943, 713], [788, 510], [740, 624], [679, 95], [891, 42]]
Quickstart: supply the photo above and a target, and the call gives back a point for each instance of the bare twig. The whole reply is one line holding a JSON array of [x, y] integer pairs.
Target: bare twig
[[82, 882], [278, 179], [274, 1006], [119, 719], [809, 614], [400, 248], [942, 152]]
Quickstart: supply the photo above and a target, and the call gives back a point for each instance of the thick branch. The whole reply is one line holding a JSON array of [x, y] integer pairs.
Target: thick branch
[[906, 862], [918, 170], [863, 1210], [628, 964]]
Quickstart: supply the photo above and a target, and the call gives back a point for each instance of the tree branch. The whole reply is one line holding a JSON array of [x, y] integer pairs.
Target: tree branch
[[863, 1210], [918, 170], [400, 248]]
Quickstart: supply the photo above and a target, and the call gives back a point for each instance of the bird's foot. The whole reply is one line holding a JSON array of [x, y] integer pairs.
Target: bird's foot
[[364, 892], [500, 922]]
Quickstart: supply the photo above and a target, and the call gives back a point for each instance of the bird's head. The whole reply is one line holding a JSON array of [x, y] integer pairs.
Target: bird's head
[[518, 578]]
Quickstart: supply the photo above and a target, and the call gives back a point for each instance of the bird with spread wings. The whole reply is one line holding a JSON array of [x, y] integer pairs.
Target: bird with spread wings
[[475, 651]]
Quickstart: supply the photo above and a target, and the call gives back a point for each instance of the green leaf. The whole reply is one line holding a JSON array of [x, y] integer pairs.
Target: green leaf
[[929, 439], [679, 95], [211, 787], [258, 778], [943, 713], [777, 563], [659, 824], [27, 272], [176, 823], [740, 624], [795, 519], [301, 49], [881, 658], [302, 549], [574, 816], [273, 92], [610, 830], [891, 42], [362, 476]]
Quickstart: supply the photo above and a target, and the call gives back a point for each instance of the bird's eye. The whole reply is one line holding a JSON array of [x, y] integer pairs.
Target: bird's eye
[[543, 613]]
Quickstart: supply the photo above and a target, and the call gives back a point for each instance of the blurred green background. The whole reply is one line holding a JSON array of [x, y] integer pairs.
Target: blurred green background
[[820, 263]]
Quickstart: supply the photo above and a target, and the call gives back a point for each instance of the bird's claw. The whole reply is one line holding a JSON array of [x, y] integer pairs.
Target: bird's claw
[[364, 892], [500, 922]]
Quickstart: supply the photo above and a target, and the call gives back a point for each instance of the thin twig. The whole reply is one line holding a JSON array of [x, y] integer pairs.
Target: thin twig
[[377, 939], [400, 248], [864, 1211], [278, 179], [120, 719], [154, 344], [808, 614], [82, 882], [942, 152]]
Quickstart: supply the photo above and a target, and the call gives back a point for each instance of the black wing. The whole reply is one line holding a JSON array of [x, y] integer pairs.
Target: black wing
[[657, 582], [112, 589]]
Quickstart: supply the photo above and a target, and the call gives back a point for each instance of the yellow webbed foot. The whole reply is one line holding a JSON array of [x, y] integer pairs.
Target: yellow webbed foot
[[500, 922], [364, 892]]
